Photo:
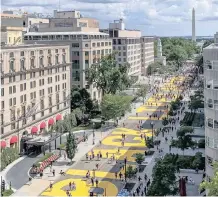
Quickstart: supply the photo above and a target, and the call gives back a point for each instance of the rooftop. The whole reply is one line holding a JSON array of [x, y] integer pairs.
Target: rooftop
[[30, 46], [212, 46], [64, 33]]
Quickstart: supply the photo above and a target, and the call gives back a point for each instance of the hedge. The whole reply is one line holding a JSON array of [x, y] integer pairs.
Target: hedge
[[46, 156]]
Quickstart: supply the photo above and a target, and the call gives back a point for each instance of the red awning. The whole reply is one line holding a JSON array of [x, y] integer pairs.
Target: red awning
[[3, 144], [34, 130], [51, 121], [13, 139], [42, 125], [58, 117]]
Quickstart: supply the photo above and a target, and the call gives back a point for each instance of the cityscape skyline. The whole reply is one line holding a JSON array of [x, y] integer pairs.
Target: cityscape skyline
[[151, 16]]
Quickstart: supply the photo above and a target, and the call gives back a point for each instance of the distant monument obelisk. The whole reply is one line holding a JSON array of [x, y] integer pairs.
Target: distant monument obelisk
[[193, 25]]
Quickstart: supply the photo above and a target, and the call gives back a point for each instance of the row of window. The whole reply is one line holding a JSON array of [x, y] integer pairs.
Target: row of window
[[213, 104], [23, 98], [32, 53], [12, 79], [211, 142], [98, 44], [212, 123], [24, 120], [33, 62], [125, 41]]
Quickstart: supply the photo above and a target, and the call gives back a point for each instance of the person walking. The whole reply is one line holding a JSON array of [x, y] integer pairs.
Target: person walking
[[53, 172], [92, 181], [51, 186]]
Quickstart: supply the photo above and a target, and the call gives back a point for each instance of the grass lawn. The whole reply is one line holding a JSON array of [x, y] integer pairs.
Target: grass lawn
[[7, 192]]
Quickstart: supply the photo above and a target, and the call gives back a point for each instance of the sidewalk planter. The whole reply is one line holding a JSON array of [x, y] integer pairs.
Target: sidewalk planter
[[44, 162]]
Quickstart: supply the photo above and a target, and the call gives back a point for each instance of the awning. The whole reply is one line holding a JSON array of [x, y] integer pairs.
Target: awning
[[51, 121], [13, 139], [3, 144], [58, 117], [34, 130], [42, 125]]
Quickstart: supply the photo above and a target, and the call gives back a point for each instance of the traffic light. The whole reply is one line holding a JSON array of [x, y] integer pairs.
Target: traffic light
[[3, 186]]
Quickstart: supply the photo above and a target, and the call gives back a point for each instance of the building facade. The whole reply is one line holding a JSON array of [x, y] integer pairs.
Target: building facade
[[131, 47], [35, 89], [86, 48], [11, 35], [147, 52], [210, 56]]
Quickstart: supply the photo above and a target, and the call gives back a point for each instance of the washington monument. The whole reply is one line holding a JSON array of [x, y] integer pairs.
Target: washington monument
[[193, 25]]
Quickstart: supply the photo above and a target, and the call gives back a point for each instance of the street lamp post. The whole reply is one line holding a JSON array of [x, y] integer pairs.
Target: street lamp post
[[93, 125], [152, 127], [125, 160]]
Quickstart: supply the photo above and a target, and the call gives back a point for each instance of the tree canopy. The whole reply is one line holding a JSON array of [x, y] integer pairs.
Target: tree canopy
[[71, 146], [80, 98], [108, 75], [212, 186], [184, 139], [114, 106], [164, 180], [142, 91]]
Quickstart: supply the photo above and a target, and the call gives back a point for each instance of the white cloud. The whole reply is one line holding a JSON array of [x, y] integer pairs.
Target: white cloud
[[135, 12]]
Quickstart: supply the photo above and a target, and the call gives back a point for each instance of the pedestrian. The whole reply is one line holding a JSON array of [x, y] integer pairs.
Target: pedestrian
[[92, 181], [170, 148], [120, 175], [141, 136], [53, 172], [70, 185], [145, 177], [107, 154], [96, 182], [97, 165], [118, 150], [196, 170], [139, 178], [51, 186], [87, 156], [145, 190], [123, 124], [115, 175]]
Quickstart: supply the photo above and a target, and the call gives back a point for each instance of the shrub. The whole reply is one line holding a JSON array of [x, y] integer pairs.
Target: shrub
[[7, 192], [8, 155]]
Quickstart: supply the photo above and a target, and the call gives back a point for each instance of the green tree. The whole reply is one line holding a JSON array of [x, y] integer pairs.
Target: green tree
[[139, 158], [142, 92], [80, 98], [108, 76], [156, 67], [184, 139], [114, 106], [130, 172], [71, 146], [212, 185], [164, 180]]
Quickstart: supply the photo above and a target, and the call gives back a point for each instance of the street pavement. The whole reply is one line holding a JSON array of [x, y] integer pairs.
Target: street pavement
[[105, 172]]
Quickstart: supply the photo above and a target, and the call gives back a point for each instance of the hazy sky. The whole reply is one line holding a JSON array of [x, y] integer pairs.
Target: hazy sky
[[152, 17]]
